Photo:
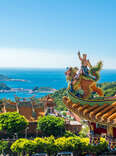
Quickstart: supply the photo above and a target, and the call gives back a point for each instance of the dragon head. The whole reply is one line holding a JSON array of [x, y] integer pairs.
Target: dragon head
[[70, 73]]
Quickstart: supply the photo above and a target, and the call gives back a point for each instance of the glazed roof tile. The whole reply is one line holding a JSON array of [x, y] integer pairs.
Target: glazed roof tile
[[105, 114]]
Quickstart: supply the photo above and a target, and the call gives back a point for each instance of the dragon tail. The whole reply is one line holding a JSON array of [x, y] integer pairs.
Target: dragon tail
[[99, 66]]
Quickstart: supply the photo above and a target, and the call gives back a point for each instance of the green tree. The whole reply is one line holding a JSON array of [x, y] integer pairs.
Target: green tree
[[12, 122], [3, 146], [51, 146], [46, 145], [51, 125], [24, 145], [63, 144], [17, 146], [29, 146], [40, 144]]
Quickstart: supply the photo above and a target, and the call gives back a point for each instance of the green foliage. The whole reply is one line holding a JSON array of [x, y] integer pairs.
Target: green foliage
[[99, 148], [12, 122], [64, 113], [84, 131], [17, 146], [22, 145], [48, 89], [58, 95], [3, 146], [69, 134], [50, 145], [109, 88], [63, 144], [51, 125], [80, 145], [29, 146], [95, 70], [46, 144], [40, 144]]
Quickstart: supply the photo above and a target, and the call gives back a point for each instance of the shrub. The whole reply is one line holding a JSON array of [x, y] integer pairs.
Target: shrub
[[12, 122], [22, 145], [69, 134], [3, 146], [63, 144], [40, 144], [51, 146], [46, 145], [51, 125]]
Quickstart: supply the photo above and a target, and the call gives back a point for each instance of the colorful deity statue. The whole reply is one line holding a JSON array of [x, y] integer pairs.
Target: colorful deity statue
[[82, 83], [84, 64]]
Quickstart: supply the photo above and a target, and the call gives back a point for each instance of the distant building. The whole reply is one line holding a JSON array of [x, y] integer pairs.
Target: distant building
[[32, 108]]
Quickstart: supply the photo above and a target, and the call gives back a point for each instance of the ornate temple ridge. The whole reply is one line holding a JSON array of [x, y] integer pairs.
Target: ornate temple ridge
[[95, 108]]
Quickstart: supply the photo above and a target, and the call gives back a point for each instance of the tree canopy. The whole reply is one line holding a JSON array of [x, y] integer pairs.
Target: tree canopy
[[24, 145], [50, 145], [51, 125], [3, 146], [12, 122]]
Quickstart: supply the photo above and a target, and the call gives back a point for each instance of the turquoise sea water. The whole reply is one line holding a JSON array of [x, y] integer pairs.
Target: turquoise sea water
[[54, 78]]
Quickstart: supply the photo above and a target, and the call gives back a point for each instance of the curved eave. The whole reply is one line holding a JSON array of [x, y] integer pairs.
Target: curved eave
[[104, 114]]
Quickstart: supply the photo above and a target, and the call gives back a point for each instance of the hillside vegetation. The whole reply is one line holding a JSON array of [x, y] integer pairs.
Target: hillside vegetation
[[58, 95], [109, 89]]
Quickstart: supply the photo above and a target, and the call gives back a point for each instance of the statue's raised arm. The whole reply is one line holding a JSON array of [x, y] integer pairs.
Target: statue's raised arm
[[79, 55]]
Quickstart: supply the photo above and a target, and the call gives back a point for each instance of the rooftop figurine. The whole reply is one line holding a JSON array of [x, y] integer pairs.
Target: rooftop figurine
[[83, 82], [84, 64]]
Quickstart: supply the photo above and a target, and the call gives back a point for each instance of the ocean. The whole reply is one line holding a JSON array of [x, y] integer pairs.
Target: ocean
[[53, 78]]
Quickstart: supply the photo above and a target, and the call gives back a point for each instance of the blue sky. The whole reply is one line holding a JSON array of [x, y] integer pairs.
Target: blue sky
[[48, 33]]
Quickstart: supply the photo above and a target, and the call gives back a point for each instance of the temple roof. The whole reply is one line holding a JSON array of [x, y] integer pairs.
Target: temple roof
[[104, 114], [30, 108]]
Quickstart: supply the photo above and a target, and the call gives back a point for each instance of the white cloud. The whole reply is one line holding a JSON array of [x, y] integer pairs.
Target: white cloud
[[41, 58], [36, 58]]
